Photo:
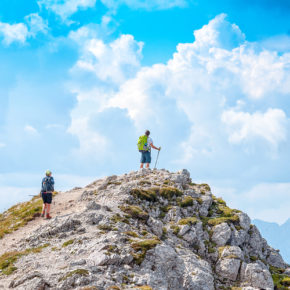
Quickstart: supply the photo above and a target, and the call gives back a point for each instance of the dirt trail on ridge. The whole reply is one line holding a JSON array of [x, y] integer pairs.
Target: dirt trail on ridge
[[62, 204]]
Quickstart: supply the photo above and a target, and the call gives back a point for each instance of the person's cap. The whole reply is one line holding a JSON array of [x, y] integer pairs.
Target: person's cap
[[147, 132], [47, 172]]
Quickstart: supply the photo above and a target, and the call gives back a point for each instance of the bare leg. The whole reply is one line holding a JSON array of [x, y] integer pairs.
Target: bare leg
[[47, 208], [147, 165], [43, 208], [141, 165]]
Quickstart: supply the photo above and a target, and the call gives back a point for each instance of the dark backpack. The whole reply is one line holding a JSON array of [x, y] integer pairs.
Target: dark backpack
[[47, 184]]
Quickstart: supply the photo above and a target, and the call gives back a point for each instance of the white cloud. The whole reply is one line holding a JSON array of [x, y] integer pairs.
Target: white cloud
[[13, 33], [2, 145], [30, 130], [36, 24], [66, 8], [243, 126], [189, 101], [20, 32], [266, 201]]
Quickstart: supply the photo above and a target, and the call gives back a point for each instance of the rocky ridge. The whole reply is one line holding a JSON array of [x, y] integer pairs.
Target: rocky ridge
[[150, 229]]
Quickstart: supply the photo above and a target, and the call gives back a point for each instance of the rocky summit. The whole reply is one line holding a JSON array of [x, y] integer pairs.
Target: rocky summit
[[150, 229]]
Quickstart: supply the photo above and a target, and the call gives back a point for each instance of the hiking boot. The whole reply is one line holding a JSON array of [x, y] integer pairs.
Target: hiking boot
[[42, 215], [48, 216]]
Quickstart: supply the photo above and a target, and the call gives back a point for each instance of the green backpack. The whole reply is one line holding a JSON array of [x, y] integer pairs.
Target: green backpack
[[142, 143]]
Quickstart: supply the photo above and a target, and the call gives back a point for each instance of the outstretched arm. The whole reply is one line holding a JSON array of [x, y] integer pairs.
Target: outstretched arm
[[156, 148]]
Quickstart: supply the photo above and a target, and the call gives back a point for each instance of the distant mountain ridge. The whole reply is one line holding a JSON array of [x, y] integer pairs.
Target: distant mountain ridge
[[276, 235]]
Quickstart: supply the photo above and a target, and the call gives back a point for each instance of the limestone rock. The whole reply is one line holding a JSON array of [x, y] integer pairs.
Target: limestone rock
[[221, 234]]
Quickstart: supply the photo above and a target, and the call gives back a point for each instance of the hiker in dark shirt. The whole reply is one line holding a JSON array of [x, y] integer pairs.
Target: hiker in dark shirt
[[47, 188]]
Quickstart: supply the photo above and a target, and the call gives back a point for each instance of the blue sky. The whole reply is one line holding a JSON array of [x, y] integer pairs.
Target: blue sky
[[80, 80]]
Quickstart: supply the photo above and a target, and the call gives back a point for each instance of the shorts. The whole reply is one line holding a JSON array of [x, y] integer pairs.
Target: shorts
[[46, 197], [146, 157]]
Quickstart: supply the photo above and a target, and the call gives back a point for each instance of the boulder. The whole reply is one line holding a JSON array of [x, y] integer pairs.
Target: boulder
[[221, 234]]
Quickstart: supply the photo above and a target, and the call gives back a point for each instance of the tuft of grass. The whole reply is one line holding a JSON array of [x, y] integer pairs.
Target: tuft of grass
[[135, 212], [188, 221], [205, 186], [144, 287], [285, 281], [7, 260], [149, 195], [220, 201], [141, 249], [131, 234], [19, 215], [144, 182], [169, 192], [175, 229], [80, 272], [187, 201], [118, 218], [105, 228], [114, 287], [67, 243], [219, 220], [278, 276]]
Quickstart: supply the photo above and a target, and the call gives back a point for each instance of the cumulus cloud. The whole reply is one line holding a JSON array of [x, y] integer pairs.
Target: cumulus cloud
[[13, 33], [66, 8], [243, 126], [20, 32], [206, 97]]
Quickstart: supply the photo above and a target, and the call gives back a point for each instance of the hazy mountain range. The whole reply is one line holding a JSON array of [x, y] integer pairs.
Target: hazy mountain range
[[276, 235]]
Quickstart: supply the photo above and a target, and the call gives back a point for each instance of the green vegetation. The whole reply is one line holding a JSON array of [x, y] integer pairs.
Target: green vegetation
[[8, 260], [253, 258], [114, 183], [187, 201], [131, 234], [279, 279], [175, 229], [144, 287], [105, 228], [113, 288], [144, 182], [149, 194], [135, 212], [285, 281], [205, 186], [142, 247], [19, 215], [219, 220], [80, 272], [188, 221], [117, 218], [169, 192], [67, 243]]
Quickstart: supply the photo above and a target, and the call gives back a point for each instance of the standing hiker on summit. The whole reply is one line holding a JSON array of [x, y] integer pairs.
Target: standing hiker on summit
[[145, 143], [47, 188]]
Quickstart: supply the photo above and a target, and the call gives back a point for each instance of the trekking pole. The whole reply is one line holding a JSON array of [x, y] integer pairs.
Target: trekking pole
[[157, 158]]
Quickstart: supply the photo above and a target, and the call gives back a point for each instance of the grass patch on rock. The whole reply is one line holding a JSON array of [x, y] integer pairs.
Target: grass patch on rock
[[80, 272], [7, 260], [135, 212], [141, 249], [149, 194], [279, 278], [186, 201], [67, 243], [188, 221], [19, 215], [220, 220]]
